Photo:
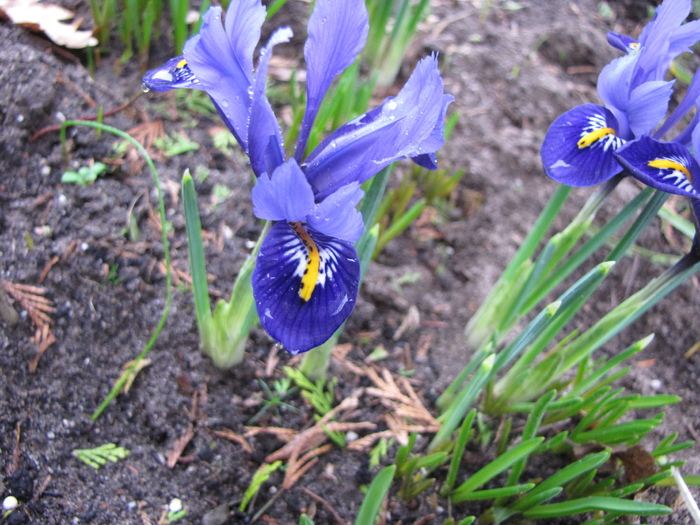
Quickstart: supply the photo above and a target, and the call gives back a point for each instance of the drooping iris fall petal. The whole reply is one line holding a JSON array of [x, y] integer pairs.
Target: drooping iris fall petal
[[666, 166], [305, 285], [579, 145]]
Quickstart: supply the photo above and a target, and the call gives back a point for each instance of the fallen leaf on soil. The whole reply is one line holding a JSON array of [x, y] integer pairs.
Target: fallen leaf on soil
[[43, 338], [131, 374], [49, 19], [32, 299], [179, 446], [638, 463], [227, 433]]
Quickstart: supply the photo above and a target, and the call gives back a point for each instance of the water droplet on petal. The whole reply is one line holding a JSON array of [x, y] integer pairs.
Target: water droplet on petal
[[145, 88], [224, 103], [391, 105], [250, 90]]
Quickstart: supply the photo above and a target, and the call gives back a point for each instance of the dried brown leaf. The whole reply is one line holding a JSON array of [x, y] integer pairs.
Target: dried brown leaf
[[49, 19], [32, 299], [179, 446]]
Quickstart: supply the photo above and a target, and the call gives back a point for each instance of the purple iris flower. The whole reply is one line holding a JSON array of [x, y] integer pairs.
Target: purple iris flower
[[579, 146], [307, 272]]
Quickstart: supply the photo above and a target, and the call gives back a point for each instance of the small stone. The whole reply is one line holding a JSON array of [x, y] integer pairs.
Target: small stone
[[175, 505], [9, 503], [216, 516]]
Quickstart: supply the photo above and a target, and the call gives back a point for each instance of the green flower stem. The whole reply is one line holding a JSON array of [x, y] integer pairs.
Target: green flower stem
[[512, 295], [166, 251], [225, 339], [481, 324], [630, 309], [315, 363]]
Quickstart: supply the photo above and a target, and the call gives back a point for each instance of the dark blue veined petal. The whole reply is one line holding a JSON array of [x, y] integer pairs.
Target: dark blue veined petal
[[337, 33], [579, 145], [409, 125], [221, 57], [174, 74], [264, 137], [305, 285], [284, 196], [666, 166]]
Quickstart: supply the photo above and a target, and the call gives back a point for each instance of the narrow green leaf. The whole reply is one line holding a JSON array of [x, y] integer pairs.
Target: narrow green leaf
[[565, 475], [596, 503], [375, 495], [465, 434], [498, 465], [195, 248], [503, 492]]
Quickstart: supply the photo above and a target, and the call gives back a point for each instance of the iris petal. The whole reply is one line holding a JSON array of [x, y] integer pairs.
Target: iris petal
[[302, 324], [648, 105], [579, 145], [265, 133], [337, 33], [337, 215], [666, 166], [409, 125], [286, 196], [174, 74], [221, 58]]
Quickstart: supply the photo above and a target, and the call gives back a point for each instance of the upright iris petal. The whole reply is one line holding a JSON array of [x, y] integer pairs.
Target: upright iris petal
[[307, 273], [409, 125], [337, 33]]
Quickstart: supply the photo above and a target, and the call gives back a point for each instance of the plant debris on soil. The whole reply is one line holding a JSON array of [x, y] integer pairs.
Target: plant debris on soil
[[83, 282]]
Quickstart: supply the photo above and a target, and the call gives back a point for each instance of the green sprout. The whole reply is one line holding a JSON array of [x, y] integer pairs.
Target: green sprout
[[275, 399], [261, 476], [85, 174], [99, 456]]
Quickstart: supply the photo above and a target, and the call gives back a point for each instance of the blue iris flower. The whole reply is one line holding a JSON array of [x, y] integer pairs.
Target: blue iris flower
[[307, 272], [579, 146]]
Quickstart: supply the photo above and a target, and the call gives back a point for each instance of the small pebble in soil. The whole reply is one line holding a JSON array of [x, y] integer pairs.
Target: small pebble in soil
[[175, 505], [9, 503], [656, 384], [216, 516]]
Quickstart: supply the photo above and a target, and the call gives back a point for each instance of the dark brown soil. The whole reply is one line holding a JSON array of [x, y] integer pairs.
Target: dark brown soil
[[511, 71]]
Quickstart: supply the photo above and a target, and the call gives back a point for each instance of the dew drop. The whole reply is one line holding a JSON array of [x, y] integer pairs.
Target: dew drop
[[250, 90], [391, 105], [224, 103], [145, 88]]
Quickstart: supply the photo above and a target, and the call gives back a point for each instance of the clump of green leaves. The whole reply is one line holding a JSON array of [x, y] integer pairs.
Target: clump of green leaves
[[84, 175], [99, 456], [321, 396], [274, 398]]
